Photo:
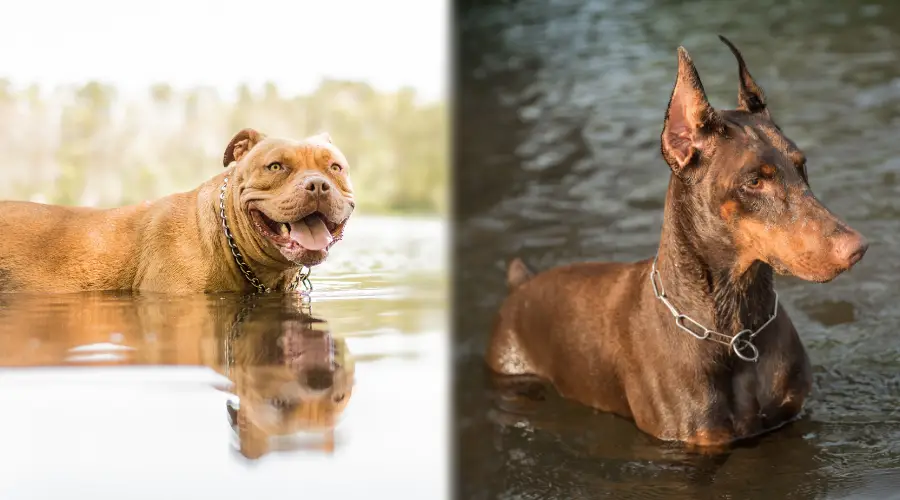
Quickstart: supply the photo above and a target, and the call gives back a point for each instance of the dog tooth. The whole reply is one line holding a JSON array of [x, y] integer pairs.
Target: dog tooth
[[285, 231]]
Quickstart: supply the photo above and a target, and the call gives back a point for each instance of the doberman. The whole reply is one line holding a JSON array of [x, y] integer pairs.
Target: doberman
[[691, 344]]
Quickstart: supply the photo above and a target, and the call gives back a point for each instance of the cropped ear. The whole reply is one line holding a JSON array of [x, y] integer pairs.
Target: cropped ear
[[690, 119], [750, 96], [240, 144], [322, 137]]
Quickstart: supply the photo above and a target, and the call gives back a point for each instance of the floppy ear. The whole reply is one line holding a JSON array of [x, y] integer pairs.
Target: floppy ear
[[690, 119], [242, 142], [750, 96]]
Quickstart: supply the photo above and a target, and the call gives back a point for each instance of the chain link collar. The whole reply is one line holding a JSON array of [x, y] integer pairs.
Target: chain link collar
[[304, 305], [302, 275], [741, 341]]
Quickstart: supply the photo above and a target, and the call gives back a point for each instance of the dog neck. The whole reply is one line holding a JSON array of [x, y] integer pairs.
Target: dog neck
[[269, 271], [703, 275]]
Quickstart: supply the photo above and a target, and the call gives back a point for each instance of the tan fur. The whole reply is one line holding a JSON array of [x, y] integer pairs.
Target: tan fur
[[272, 354], [264, 379], [177, 244]]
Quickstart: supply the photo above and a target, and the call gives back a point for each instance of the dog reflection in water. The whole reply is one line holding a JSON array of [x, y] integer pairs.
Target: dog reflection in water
[[290, 376]]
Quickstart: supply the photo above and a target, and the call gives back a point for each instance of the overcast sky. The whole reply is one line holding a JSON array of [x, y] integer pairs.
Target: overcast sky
[[294, 43]]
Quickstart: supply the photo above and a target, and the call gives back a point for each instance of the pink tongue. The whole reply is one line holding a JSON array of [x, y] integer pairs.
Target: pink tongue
[[311, 233]]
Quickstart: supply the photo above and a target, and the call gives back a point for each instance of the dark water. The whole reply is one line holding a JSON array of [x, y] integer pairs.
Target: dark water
[[120, 396], [560, 106]]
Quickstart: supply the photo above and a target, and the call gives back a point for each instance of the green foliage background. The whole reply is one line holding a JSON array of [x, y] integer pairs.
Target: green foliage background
[[93, 145]]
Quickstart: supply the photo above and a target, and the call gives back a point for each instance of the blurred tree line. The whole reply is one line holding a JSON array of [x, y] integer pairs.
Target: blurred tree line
[[92, 145]]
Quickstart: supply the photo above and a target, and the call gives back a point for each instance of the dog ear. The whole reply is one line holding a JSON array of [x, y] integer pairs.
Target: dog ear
[[517, 273], [322, 137], [240, 144], [750, 96], [690, 119]]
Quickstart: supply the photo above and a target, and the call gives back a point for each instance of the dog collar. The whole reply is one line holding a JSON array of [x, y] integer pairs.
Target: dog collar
[[304, 305], [741, 341], [302, 275]]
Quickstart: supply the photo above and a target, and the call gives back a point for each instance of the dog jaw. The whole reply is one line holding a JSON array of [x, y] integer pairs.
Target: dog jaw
[[296, 195], [303, 240]]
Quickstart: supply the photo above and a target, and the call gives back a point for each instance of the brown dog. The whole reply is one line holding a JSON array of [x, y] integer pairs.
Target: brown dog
[[692, 344], [291, 376], [288, 371], [279, 205]]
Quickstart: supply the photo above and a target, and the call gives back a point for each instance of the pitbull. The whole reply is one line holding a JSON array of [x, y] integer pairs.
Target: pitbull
[[278, 206]]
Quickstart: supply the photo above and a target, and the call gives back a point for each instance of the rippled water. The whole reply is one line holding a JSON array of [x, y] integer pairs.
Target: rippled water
[[560, 108], [151, 396]]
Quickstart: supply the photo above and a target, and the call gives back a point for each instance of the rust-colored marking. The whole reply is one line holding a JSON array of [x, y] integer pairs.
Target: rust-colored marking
[[728, 210], [711, 438]]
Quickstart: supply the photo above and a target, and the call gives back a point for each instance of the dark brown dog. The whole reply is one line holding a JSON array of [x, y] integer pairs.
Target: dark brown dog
[[284, 204], [692, 345]]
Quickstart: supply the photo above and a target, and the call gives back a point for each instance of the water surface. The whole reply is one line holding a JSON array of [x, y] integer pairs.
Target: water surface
[[338, 394], [560, 109]]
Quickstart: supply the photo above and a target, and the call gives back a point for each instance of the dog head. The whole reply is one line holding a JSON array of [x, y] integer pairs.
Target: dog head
[[743, 183], [291, 375], [296, 195]]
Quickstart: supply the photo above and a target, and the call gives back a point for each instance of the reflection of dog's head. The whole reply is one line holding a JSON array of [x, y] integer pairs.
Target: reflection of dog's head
[[290, 375], [296, 195]]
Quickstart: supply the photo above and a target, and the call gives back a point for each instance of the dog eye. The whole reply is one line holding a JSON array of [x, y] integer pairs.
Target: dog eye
[[274, 167], [754, 183], [336, 167]]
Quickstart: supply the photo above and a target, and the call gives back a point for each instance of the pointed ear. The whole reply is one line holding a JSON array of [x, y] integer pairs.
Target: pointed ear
[[240, 144], [690, 119], [750, 96]]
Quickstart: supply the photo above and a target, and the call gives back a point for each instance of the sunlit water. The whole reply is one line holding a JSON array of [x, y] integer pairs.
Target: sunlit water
[[114, 396], [561, 107]]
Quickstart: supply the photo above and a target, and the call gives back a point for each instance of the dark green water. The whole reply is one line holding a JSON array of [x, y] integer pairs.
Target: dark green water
[[560, 106]]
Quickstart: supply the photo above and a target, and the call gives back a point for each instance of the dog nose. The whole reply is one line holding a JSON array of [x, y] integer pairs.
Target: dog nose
[[851, 249], [319, 379], [316, 185]]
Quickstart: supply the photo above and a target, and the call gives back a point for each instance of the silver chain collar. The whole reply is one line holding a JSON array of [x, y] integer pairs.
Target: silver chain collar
[[302, 275], [304, 305], [740, 341]]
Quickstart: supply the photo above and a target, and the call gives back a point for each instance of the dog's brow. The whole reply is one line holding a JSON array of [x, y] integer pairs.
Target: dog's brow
[[277, 154], [778, 140], [321, 155]]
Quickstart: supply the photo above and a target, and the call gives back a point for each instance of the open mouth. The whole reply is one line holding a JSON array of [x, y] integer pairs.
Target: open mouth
[[312, 232]]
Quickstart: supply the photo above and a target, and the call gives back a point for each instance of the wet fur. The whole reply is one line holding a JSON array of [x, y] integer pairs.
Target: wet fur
[[738, 208]]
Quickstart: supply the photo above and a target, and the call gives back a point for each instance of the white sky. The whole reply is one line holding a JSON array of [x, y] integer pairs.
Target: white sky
[[222, 43]]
